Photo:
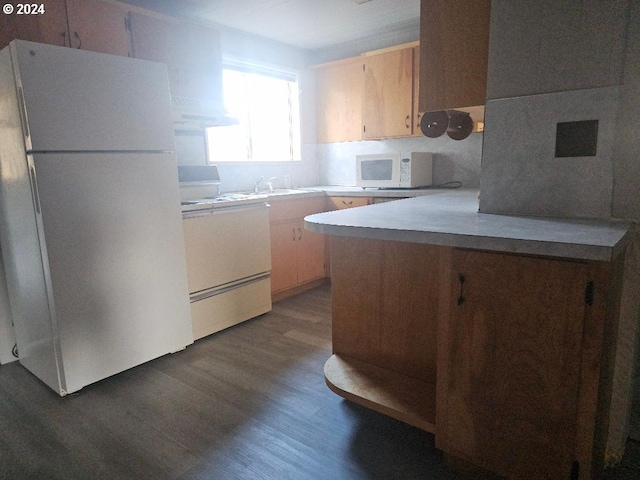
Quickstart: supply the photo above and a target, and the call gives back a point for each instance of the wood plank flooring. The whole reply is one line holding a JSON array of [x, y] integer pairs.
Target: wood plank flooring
[[247, 403]]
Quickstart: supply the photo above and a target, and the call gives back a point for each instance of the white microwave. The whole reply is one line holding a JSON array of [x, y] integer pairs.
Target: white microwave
[[392, 170]]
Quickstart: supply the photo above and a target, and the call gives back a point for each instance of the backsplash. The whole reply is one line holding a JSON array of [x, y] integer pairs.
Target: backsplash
[[452, 161], [522, 172], [334, 163]]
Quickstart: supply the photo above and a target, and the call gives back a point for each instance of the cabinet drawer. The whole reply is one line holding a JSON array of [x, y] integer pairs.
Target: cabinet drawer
[[298, 208], [340, 203], [221, 311]]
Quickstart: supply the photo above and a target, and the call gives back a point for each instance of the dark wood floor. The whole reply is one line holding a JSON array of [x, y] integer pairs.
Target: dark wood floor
[[247, 403]]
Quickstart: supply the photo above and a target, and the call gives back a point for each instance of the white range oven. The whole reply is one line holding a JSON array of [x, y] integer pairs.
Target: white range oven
[[228, 252]]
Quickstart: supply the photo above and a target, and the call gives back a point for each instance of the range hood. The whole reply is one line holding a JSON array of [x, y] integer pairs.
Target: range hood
[[191, 113]]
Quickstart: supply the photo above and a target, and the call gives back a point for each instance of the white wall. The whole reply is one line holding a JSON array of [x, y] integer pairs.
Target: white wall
[[551, 62], [626, 204]]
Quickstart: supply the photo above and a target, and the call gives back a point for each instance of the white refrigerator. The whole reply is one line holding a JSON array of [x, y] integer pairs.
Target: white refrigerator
[[91, 230]]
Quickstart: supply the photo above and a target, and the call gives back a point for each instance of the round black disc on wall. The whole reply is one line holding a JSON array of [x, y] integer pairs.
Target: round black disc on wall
[[434, 124], [460, 125]]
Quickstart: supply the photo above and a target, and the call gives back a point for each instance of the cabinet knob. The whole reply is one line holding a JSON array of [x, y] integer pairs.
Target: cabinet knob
[[407, 121]]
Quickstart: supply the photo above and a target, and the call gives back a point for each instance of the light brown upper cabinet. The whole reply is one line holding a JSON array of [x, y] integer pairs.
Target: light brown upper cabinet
[[86, 24], [49, 28], [192, 53], [98, 26], [374, 95], [388, 93], [339, 101], [454, 46]]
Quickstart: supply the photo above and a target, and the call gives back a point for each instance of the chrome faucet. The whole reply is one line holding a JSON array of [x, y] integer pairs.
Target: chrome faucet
[[270, 184], [256, 186]]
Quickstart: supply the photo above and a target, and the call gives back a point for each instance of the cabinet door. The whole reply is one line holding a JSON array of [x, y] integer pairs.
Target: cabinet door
[[198, 59], [515, 341], [98, 26], [153, 39], [388, 99], [417, 114], [50, 27], [339, 101], [192, 53], [284, 258], [454, 49], [311, 255]]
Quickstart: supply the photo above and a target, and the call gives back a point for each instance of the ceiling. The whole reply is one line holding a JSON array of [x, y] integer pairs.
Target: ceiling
[[309, 24]]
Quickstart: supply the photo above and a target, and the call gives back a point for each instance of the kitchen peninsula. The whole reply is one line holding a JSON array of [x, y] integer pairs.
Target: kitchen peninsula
[[493, 332]]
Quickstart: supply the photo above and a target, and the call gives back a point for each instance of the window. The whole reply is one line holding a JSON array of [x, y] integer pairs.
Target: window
[[266, 103]]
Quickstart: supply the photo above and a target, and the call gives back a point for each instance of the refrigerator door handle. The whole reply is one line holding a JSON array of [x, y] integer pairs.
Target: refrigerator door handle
[[34, 189], [23, 113]]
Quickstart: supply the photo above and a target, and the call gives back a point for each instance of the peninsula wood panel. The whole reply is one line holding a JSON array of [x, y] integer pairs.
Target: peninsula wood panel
[[515, 347], [454, 49], [388, 94], [339, 89], [385, 304]]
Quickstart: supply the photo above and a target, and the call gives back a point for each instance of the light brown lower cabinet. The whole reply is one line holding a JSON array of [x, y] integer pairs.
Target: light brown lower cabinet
[[503, 357], [297, 255]]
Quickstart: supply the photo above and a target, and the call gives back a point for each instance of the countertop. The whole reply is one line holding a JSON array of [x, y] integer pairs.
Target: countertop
[[451, 218], [240, 199], [338, 191], [237, 199]]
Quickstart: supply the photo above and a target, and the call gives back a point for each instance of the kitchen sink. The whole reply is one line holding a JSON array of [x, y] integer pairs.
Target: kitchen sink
[[283, 191], [236, 196], [235, 199], [262, 194]]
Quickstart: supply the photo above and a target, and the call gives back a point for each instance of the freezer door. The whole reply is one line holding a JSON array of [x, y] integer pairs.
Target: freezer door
[[75, 100], [112, 231]]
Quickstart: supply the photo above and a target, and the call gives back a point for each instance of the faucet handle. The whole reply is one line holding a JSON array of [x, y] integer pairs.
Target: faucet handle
[[269, 184]]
